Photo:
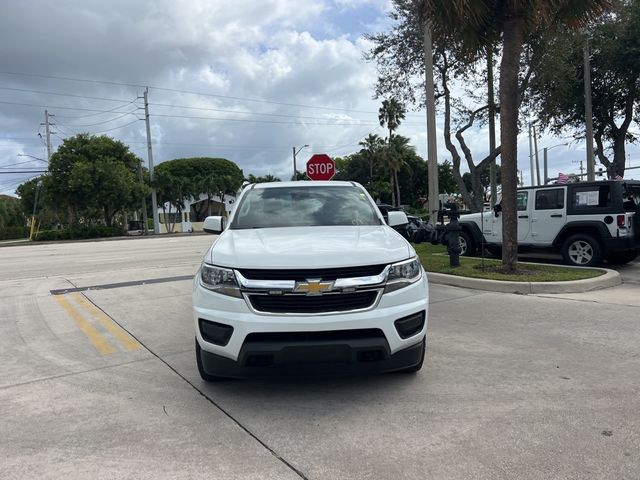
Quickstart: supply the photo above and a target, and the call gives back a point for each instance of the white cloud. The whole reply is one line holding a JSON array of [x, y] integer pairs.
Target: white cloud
[[290, 54]]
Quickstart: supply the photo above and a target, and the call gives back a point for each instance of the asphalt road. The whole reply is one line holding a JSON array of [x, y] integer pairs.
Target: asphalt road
[[103, 383]]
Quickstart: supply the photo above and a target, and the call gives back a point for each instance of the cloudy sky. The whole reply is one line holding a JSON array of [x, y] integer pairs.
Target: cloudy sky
[[244, 80]]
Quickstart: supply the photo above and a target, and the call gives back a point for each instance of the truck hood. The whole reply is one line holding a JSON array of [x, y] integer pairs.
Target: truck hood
[[308, 247]]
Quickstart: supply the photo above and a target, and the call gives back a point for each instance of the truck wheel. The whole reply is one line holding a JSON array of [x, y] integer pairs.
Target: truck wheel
[[204, 375], [582, 250], [467, 246], [620, 258]]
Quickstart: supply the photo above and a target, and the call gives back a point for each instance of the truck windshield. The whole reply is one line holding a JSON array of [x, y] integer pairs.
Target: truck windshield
[[304, 206]]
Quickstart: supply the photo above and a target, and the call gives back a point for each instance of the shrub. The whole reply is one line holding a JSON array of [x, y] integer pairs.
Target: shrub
[[12, 233], [77, 233]]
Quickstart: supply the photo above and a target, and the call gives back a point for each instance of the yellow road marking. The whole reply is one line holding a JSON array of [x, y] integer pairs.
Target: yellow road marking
[[126, 340], [101, 344]]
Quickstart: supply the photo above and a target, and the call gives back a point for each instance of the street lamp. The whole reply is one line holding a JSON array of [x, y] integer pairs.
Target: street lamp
[[296, 152], [546, 149]]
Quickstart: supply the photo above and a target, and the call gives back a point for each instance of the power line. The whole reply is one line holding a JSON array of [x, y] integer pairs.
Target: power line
[[26, 90], [102, 123], [56, 107], [190, 92], [16, 164], [223, 119], [101, 112]]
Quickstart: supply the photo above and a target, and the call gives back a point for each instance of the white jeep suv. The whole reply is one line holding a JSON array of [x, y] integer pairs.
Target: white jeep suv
[[587, 222], [308, 278]]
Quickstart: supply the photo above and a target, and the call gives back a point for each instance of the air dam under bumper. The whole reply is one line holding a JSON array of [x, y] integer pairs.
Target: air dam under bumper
[[261, 356]]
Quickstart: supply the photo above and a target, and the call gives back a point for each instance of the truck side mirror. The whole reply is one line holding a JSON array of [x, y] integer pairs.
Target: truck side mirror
[[497, 208], [213, 224]]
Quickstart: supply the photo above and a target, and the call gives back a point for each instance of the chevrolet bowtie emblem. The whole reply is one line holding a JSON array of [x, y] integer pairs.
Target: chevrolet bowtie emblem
[[313, 287]]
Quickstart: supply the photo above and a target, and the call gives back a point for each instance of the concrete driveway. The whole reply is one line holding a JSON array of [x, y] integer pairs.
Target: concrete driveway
[[102, 383]]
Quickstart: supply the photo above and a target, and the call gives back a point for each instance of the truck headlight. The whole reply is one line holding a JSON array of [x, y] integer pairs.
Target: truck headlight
[[220, 280], [402, 274]]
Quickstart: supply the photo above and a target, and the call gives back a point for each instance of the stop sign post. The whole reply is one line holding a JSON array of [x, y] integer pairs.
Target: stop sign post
[[321, 167]]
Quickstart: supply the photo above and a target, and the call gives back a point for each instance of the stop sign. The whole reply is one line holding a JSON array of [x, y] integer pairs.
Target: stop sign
[[321, 167]]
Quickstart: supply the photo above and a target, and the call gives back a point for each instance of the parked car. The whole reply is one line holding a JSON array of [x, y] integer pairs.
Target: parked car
[[586, 222], [308, 277]]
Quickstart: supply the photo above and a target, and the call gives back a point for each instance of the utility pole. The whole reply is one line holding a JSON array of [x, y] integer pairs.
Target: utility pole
[[47, 133], [295, 169], [588, 111], [535, 149], [295, 153], [432, 148], [492, 127], [531, 158], [154, 201], [546, 171]]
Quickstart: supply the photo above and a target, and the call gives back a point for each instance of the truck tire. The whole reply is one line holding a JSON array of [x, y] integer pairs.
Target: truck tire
[[467, 245], [582, 250], [620, 258]]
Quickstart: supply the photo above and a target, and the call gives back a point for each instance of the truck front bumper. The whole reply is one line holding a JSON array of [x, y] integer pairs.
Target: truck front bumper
[[254, 344]]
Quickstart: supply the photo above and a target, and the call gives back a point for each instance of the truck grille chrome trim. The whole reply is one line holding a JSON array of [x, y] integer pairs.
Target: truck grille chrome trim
[[290, 285]]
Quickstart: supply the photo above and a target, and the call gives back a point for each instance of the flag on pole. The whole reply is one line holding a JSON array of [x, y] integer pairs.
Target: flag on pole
[[563, 178]]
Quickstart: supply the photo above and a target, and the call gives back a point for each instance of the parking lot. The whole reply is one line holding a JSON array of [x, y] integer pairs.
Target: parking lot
[[98, 380]]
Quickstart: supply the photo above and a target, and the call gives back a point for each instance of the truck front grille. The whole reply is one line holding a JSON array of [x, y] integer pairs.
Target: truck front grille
[[298, 303]]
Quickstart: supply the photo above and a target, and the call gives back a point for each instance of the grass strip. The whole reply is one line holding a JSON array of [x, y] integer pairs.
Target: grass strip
[[434, 258]]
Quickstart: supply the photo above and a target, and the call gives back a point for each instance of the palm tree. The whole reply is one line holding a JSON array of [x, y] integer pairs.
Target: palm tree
[[391, 114], [371, 149], [473, 23], [396, 160]]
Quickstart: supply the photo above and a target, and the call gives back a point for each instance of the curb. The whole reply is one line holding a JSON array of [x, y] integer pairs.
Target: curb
[[26, 242], [611, 278]]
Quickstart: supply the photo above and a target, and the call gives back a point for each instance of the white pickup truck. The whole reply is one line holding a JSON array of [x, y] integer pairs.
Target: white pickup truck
[[308, 278]]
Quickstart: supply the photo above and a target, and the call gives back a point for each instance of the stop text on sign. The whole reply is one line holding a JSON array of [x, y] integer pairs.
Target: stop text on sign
[[320, 169]]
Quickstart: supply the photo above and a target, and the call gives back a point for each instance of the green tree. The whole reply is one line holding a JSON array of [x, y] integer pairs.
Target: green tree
[[186, 179], [485, 182], [474, 23], [11, 214], [372, 148], [270, 178], [399, 56], [391, 114], [89, 174], [557, 96]]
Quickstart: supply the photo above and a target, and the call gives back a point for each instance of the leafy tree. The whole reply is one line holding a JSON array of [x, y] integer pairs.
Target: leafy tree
[[399, 56], [89, 174], [271, 178], [473, 25], [558, 87], [412, 174], [184, 179], [446, 181], [485, 181], [391, 114], [372, 147], [10, 212]]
